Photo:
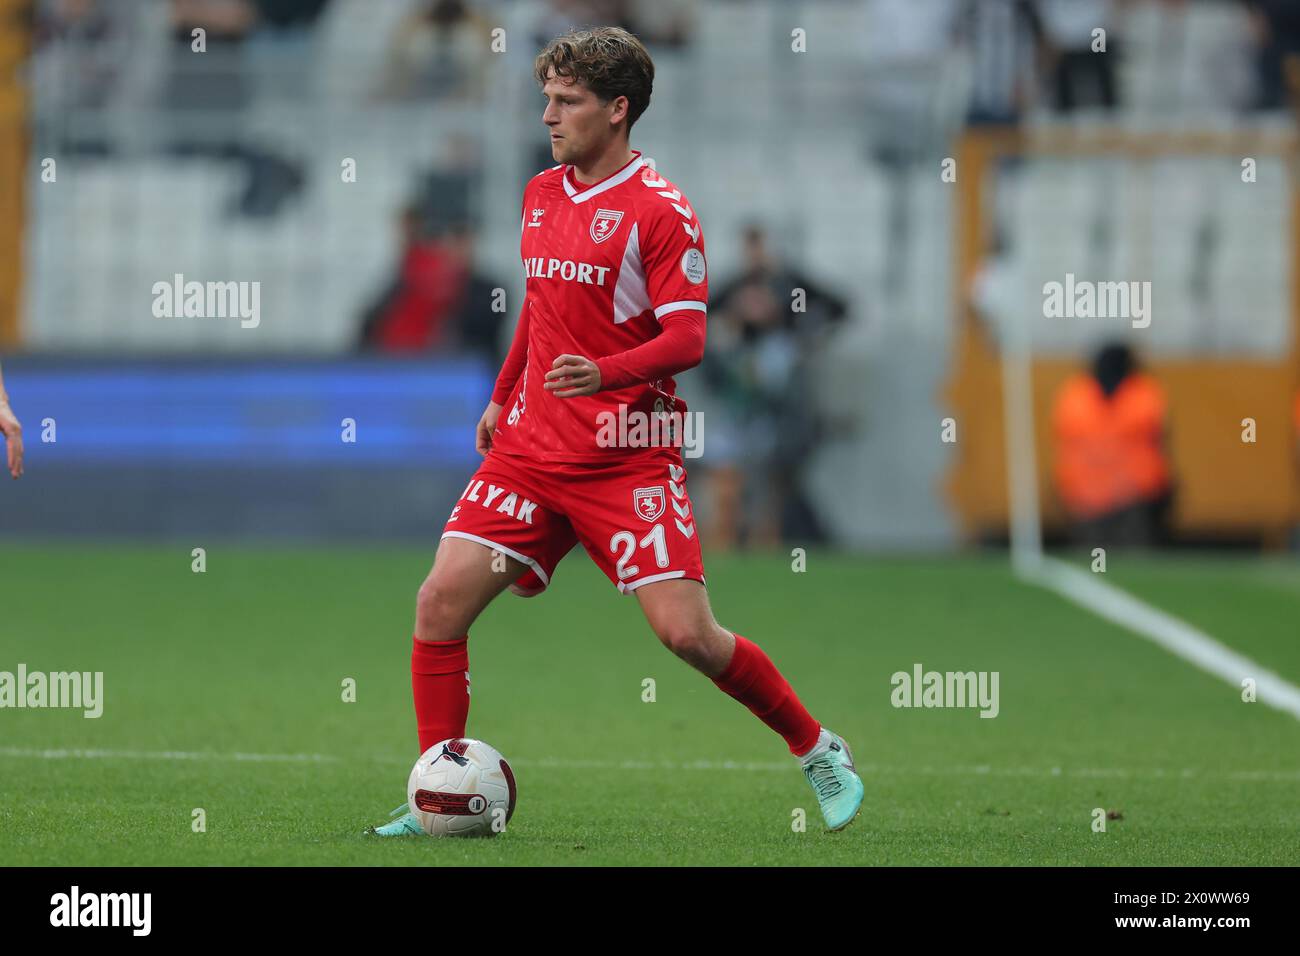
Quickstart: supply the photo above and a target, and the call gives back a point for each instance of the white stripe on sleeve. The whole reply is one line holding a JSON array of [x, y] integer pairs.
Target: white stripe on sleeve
[[683, 306]]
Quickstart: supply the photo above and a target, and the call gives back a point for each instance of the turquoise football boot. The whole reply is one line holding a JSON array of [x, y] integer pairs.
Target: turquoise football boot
[[838, 787], [408, 824]]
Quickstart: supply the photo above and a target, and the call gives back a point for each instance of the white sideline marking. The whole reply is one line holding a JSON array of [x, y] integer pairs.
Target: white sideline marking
[[785, 766], [1177, 637], [1186, 773], [75, 754]]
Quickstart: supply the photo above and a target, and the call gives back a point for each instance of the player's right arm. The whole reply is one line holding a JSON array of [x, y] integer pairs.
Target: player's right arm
[[12, 431], [514, 365], [511, 369], [486, 426]]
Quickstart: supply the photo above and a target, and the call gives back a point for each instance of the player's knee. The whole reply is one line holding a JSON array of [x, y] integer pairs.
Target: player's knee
[[689, 640], [437, 611]]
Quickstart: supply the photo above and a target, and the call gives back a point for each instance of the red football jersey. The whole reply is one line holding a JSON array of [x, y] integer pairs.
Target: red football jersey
[[606, 263]]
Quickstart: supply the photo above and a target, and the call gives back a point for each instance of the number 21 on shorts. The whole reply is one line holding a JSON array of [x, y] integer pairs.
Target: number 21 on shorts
[[628, 542]]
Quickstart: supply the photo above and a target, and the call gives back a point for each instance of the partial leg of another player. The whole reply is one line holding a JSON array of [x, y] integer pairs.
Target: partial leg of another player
[[466, 576], [678, 611]]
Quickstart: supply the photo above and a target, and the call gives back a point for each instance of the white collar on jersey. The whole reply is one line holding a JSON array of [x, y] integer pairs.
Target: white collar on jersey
[[609, 182]]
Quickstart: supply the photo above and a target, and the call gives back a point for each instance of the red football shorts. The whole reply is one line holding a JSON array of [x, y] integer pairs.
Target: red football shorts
[[633, 516]]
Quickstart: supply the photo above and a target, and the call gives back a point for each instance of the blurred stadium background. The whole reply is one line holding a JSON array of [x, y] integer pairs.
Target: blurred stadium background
[[363, 160]]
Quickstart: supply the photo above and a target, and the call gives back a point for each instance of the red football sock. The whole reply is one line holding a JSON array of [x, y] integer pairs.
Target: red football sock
[[753, 679], [440, 684]]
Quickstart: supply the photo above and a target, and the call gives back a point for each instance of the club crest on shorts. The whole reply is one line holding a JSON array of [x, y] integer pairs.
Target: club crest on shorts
[[604, 224], [649, 503]]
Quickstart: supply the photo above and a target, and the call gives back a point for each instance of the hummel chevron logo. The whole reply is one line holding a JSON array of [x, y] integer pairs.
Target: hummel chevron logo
[[683, 510], [676, 472], [678, 490], [658, 183], [686, 529], [674, 195]]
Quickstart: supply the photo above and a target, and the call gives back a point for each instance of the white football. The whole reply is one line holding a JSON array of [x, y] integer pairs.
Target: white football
[[462, 787]]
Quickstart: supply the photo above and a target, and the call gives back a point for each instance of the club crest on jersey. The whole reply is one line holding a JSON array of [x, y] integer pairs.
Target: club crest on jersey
[[604, 224], [649, 503]]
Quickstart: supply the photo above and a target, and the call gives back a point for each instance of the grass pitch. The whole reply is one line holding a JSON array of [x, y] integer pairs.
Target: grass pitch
[[224, 691]]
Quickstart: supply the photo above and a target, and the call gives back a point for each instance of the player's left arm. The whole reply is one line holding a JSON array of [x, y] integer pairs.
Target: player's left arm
[[672, 256], [680, 346]]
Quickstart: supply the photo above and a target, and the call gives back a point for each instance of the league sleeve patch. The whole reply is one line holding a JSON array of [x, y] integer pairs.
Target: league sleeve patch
[[693, 266]]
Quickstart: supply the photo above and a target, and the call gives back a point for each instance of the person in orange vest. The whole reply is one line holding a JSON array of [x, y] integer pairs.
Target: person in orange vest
[[1112, 470]]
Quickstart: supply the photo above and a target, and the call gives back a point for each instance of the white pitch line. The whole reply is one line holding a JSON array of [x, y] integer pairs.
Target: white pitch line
[[76, 754], [555, 763], [980, 770], [1176, 636]]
